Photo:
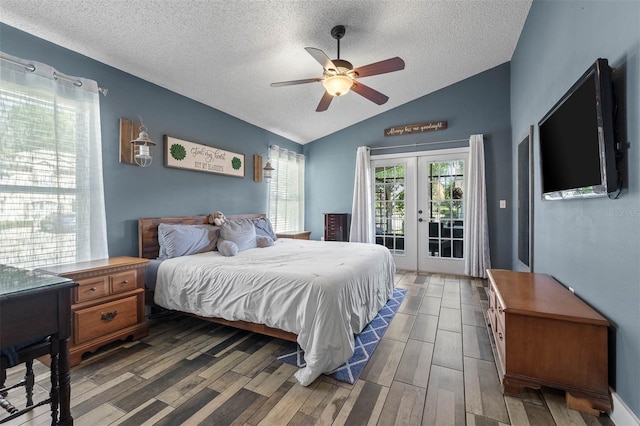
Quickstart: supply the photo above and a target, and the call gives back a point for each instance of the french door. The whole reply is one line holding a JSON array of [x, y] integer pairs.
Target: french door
[[395, 208], [419, 209]]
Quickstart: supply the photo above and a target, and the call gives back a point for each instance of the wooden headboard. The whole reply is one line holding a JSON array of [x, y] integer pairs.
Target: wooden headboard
[[148, 246]]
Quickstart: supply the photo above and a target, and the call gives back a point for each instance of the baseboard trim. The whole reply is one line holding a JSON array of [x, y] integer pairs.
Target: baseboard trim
[[621, 415]]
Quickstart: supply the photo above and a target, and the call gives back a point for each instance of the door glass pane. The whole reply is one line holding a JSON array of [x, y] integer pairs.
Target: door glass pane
[[390, 207], [446, 209]]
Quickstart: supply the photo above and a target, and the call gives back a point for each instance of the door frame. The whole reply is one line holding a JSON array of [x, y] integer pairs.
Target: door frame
[[411, 188]]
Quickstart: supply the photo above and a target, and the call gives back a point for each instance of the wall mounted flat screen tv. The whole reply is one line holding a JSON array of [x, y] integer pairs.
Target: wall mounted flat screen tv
[[577, 141]]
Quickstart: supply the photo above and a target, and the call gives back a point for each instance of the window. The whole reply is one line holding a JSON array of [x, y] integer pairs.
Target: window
[[390, 207], [446, 210], [51, 193], [286, 190]]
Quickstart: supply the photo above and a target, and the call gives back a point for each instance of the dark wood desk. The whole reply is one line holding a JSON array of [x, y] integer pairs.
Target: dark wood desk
[[35, 305]]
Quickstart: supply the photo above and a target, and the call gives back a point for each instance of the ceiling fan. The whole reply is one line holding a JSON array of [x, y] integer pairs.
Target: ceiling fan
[[339, 76]]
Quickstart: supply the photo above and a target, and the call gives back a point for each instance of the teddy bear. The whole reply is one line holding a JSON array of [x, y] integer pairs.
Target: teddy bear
[[217, 218]]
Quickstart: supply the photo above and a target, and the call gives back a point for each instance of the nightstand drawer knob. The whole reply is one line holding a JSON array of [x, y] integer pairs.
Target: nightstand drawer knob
[[108, 316], [93, 289], [125, 282]]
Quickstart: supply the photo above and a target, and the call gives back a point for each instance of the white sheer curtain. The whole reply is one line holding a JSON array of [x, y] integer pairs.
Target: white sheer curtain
[[476, 241], [362, 218], [51, 191], [286, 190]]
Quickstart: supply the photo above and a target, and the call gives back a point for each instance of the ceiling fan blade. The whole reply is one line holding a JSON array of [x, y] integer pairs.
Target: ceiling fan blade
[[324, 102], [382, 67], [369, 93], [321, 57], [294, 82]]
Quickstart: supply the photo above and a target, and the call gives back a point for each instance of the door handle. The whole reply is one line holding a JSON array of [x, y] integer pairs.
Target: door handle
[[419, 211], [420, 220]]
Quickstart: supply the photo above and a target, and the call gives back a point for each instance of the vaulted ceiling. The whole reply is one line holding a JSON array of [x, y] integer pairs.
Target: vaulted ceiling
[[225, 54]]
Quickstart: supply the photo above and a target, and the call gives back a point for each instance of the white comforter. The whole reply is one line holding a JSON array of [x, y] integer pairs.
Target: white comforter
[[325, 292]]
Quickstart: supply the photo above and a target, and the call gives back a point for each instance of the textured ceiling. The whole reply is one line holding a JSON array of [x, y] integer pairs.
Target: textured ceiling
[[226, 53]]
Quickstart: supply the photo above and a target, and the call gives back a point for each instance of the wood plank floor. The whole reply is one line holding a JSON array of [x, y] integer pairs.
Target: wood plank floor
[[434, 366]]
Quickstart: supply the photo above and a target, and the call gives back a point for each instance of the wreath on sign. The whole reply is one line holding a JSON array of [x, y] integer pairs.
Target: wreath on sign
[[178, 152], [236, 163]]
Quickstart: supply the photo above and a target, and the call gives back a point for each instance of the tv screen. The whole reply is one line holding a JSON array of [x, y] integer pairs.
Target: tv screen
[[577, 142]]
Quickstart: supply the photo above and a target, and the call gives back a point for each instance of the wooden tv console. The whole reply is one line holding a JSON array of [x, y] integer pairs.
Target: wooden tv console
[[547, 336]]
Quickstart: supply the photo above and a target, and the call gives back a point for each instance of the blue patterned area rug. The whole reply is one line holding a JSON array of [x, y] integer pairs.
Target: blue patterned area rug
[[365, 343]]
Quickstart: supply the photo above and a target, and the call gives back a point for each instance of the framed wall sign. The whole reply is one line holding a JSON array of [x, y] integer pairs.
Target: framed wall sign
[[182, 154]]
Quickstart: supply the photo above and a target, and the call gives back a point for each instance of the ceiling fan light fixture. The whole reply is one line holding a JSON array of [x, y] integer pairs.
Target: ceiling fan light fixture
[[340, 77], [337, 85]]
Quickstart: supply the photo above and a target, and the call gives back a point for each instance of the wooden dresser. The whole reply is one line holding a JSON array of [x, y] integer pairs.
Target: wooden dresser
[[545, 335], [336, 226], [107, 305]]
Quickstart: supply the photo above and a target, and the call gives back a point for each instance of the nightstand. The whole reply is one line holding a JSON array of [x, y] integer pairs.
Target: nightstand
[[107, 305], [301, 235]]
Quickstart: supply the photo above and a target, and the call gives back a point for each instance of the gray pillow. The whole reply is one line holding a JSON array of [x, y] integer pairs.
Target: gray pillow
[[183, 240], [227, 248], [263, 227], [241, 232], [262, 241]]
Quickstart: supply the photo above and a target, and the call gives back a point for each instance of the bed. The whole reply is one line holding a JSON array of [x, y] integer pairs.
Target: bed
[[319, 294]]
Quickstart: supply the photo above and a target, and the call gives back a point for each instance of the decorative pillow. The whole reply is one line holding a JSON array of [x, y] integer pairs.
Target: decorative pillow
[[263, 227], [183, 240], [262, 241], [241, 232], [227, 248]]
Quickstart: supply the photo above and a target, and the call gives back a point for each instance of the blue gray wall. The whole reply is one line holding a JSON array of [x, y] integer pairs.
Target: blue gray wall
[[479, 104], [131, 191], [591, 245]]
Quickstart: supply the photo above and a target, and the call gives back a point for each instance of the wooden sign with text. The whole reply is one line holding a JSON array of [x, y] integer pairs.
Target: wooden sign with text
[[415, 128], [183, 154]]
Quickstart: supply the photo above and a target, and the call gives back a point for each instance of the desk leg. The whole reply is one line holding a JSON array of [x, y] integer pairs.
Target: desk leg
[[55, 390], [65, 384]]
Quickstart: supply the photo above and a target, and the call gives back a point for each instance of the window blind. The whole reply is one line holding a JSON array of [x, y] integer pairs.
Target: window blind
[[286, 190]]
